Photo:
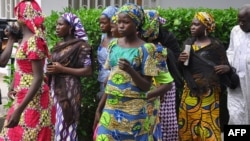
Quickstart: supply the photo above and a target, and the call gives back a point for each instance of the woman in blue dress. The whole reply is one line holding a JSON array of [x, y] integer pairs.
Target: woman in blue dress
[[102, 52]]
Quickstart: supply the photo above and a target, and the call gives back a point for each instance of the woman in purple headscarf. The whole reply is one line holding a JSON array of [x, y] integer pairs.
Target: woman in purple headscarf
[[70, 60]]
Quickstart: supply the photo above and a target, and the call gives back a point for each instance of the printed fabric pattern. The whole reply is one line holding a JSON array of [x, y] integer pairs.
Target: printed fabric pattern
[[38, 119], [124, 116], [153, 105]]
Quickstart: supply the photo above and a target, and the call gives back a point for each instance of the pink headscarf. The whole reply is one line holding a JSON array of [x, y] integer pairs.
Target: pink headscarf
[[30, 13]]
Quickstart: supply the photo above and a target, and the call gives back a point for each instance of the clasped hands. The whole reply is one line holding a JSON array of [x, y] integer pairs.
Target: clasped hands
[[54, 68], [124, 65]]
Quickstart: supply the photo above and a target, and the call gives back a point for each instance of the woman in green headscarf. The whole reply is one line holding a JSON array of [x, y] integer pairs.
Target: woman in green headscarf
[[166, 130], [124, 116]]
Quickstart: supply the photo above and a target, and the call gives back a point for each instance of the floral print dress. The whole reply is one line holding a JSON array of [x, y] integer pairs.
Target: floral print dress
[[153, 106], [124, 116], [38, 118]]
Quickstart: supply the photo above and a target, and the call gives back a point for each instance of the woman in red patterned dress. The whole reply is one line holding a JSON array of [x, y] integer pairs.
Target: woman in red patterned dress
[[32, 116]]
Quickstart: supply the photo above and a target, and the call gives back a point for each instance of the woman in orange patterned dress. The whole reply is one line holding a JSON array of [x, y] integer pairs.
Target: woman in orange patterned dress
[[208, 65]]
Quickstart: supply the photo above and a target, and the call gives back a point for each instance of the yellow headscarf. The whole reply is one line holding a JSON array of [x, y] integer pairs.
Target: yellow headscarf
[[206, 19]]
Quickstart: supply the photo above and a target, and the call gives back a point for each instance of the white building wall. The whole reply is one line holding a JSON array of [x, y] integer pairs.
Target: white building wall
[[220, 4], [55, 5], [6, 6], [58, 5]]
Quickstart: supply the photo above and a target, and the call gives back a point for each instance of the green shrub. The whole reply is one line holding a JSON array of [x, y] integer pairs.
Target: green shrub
[[178, 22]]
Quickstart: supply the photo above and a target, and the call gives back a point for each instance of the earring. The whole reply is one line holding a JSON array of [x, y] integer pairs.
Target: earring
[[205, 32]]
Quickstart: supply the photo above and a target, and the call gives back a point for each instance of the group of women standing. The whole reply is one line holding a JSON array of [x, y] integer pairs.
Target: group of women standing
[[140, 63], [129, 110], [46, 105]]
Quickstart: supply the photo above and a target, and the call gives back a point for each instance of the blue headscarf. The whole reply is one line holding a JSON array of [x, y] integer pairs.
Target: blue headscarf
[[109, 11], [74, 21]]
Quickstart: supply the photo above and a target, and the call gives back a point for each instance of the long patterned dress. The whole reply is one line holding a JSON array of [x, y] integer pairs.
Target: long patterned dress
[[168, 116], [199, 113], [124, 116], [153, 107], [70, 54], [38, 119]]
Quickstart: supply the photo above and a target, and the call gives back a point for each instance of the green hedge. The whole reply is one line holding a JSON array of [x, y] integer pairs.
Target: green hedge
[[178, 21]]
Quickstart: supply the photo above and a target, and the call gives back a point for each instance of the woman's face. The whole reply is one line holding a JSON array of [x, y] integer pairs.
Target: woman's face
[[62, 28], [125, 24], [104, 24], [114, 30], [197, 28]]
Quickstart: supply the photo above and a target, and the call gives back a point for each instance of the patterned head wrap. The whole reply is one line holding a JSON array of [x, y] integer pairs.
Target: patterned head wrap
[[29, 12], [162, 20], [206, 19], [150, 28], [109, 11], [75, 22], [134, 11], [114, 19]]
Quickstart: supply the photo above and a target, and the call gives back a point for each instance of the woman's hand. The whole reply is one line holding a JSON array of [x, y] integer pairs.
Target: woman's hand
[[162, 98], [14, 118], [183, 56], [54, 68], [221, 69], [12, 94], [124, 65]]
